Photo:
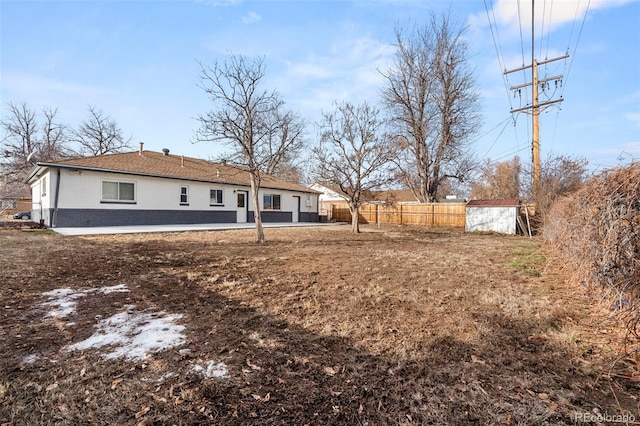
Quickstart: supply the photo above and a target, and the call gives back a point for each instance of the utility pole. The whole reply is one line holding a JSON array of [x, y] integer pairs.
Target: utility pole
[[535, 106]]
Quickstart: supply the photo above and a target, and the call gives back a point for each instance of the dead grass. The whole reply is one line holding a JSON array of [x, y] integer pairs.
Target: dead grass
[[397, 325]]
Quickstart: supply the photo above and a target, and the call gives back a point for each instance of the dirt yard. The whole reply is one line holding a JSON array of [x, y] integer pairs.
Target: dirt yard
[[318, 326]]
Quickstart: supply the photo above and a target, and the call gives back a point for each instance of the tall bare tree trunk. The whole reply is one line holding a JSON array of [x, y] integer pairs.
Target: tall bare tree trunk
[[256, 209], [253, 122], [355, 213]]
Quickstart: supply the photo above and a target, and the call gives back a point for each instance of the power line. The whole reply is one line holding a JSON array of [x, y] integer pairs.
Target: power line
[[549, 31], [584, 18], [521, 38], [544, 11], [505, 121], [524, 74], [509, 154], [498, 46]]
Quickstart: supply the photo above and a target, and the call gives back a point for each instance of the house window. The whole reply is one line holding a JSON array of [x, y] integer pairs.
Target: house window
[[44, 186], [307, 201], [215, 197], [118, 191], [8, 204], [271, 202], [184, 195]]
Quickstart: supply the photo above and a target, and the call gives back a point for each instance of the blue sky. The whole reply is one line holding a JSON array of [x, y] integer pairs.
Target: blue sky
[[137, 61]]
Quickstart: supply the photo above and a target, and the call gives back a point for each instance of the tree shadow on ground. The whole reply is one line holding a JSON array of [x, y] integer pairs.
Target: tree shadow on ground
[[279, 372]]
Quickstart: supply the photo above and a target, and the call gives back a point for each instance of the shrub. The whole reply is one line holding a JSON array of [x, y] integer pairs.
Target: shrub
[[595, 234]]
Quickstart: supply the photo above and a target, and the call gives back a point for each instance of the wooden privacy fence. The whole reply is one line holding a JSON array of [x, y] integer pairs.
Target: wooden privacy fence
[[433, 214]]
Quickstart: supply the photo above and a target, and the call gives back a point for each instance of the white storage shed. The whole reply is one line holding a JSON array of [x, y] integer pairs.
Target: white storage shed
[[493, 216]]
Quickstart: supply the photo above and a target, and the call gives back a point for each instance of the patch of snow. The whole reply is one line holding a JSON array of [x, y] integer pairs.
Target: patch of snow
[[120, 288], [212, 369], [29, 359], [166, 376], [62, 301], [134, 334]]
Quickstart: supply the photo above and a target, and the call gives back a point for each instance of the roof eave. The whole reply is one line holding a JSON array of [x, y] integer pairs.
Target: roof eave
[[154, 175]]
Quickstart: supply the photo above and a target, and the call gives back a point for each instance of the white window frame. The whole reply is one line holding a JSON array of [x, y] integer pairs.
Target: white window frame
[[8, 204], [118, 198], [269, 205], [218, 192], [184, 194]]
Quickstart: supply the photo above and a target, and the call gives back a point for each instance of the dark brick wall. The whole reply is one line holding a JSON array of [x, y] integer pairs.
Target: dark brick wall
[[68, 218], [271, 216], [113, 217], [308, 217]]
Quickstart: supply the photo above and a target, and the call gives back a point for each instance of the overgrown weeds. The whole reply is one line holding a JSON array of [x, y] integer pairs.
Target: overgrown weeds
[[595, 236]]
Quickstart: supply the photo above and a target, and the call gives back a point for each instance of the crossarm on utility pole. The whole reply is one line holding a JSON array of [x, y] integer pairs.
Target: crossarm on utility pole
[[543, 104]]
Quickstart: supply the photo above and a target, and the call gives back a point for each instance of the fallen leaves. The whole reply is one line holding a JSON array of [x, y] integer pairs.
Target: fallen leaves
[[266, 398], [253, 366], [477, 360], [142, 412], [329, 371]]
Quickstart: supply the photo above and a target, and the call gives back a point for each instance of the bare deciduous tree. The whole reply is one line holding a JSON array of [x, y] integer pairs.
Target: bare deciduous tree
[[353, 153], [99, 134], [53, 144], [560, 175], [26, 140], [434, 105], [497, 180], [250, 120]]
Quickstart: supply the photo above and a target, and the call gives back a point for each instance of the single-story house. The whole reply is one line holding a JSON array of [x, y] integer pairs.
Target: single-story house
[[158, 188], [493, 215], [328, 193], [15, 200]]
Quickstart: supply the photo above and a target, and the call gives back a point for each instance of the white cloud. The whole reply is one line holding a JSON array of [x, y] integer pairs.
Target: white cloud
[[307, 70], [511, 14], [45, 90], [348, 70], [631, 148], [251, 17], [633, 117], [223, 3]]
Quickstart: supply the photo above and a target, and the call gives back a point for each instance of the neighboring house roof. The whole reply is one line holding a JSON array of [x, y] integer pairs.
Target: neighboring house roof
[[157, 164], [23, 192], [394, 196], [387, 196], [328, 192], [511, 202]]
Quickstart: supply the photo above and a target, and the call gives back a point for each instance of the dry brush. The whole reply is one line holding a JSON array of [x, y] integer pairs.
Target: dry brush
[[595, 234]]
